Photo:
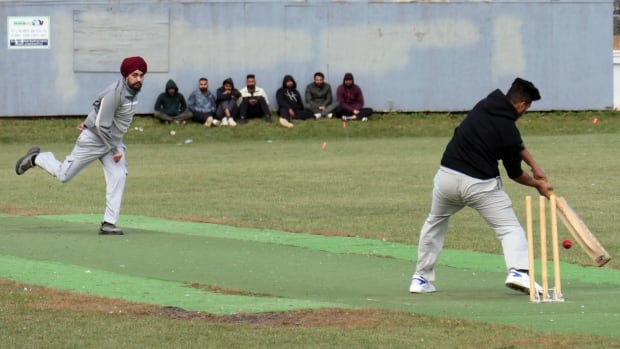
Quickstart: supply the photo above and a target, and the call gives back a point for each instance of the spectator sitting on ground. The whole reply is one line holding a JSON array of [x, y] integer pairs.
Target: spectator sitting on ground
[[319, 98], [170, 105], [202, 104], [226, 98], [290, 105], [351, 101], [254, 102]]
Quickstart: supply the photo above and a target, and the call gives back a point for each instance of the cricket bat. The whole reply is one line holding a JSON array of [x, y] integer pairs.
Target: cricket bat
[[581, 233]]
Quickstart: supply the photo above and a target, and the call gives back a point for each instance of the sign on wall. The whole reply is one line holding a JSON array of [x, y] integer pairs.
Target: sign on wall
[[28, 32]]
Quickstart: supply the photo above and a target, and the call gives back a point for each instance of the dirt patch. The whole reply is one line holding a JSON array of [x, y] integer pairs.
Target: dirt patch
[[228, 291], [342, 318], [47, 298]]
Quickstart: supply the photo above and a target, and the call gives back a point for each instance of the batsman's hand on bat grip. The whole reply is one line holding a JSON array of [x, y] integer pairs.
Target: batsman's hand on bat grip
[[544, 188]]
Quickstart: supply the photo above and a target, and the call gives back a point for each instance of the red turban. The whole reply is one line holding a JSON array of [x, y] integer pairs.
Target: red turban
[[131, 64]]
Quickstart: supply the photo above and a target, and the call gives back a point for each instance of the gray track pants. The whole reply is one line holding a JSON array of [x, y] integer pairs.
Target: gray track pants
[[451, 192], [89, 148]]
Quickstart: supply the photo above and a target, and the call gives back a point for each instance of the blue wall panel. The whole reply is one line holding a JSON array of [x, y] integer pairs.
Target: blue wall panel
[[410, 56]]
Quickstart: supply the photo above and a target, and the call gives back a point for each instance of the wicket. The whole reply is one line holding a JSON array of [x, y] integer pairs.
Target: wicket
[[557, 289]]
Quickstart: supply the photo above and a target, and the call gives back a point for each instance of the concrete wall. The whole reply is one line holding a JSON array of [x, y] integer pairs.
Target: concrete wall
[[406, 55], [616, 80]]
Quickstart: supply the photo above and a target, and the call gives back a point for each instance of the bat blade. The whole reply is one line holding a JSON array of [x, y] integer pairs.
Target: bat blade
[[581, 233]]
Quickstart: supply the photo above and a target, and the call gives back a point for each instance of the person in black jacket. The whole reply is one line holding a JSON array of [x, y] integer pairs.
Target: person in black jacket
[[469, 176], [170, 105], [226, 99], [290, 104]]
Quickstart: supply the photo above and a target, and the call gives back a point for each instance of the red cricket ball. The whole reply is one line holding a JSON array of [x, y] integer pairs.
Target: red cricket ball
[[567, 244]]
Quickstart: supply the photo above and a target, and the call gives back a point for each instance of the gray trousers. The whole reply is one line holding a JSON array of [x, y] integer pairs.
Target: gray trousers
[[88, 148], [451, 192]]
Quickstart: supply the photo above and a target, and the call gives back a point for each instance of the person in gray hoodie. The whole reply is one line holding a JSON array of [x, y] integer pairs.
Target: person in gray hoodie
[[171, 106], [101, 138]]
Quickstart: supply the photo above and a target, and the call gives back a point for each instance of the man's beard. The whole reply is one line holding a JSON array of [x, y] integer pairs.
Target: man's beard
[[136, 86]]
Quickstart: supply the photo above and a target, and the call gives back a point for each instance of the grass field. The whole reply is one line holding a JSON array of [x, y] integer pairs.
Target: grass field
[[372, 181]]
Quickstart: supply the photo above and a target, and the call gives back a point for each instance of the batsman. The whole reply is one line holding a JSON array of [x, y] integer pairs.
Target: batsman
[[469, 176]]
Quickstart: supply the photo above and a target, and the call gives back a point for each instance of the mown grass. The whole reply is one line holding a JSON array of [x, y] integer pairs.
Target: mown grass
[[365, 182], [60, 130], [35, 317], [372, 179]]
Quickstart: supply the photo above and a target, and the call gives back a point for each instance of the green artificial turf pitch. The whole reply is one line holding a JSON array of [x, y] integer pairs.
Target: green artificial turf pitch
[[225, 270]]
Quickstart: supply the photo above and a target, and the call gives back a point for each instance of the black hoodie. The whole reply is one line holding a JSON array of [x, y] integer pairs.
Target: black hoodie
[[221, 97], [171, 105], [488, 134], [289, 98]]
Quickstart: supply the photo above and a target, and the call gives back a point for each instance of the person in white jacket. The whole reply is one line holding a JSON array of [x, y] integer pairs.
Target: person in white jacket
[[254, 102], [101, 138]]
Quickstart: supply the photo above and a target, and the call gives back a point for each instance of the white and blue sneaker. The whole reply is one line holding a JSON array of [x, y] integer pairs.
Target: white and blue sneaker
[[520, 281], [420, 285]]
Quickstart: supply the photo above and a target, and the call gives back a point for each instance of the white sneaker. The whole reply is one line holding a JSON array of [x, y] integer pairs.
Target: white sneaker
[[520, 281], [224, 121], [420, 285], [364, 119], [286, 123], [330, 115], [216, 122], [317, 115], [209, 121], [232, 122]]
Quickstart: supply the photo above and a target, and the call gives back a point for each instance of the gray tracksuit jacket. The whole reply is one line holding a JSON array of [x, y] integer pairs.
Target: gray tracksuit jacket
[[112, 114]]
